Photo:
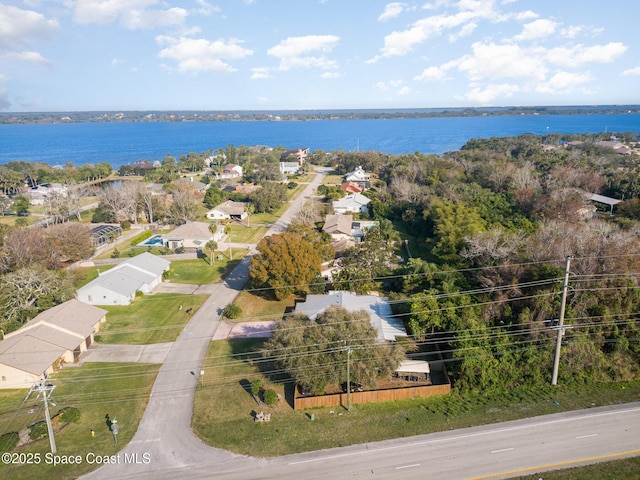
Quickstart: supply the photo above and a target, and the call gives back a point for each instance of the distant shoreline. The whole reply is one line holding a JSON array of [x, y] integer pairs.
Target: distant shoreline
[[299, 115]]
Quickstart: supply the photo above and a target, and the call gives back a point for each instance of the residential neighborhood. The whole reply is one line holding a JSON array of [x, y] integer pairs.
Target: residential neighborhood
[[394, 287]]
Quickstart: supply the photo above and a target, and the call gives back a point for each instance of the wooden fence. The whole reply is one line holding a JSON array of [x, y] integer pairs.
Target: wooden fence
[[340, 399]]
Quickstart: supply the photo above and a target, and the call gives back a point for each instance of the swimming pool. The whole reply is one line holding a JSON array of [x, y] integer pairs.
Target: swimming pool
[[153, 241]]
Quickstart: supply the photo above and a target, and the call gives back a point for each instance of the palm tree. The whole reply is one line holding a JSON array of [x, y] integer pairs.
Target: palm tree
[[212, 246]]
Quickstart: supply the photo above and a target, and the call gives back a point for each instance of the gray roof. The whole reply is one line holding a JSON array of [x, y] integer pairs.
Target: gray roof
[[126, 280], [29, 354], [191, 230], [378, 309], [74, 315], [338, 224], [350, 200], [39, 343], [148, 262], [230, 207], [606, 200]]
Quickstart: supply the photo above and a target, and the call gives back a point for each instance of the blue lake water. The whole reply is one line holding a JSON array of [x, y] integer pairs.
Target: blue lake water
[[124, 143]]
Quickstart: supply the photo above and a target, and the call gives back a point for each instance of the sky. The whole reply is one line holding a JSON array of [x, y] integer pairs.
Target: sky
[[84, 55]]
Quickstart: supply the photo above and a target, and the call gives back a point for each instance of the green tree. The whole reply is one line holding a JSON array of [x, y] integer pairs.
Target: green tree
[[452, 222], [287, 263], [212, 246], [269, 198], [315, 352], [213, 196], [21, 204]]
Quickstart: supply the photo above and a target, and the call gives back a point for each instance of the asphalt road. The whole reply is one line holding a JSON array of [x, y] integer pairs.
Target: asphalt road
[[494, 451]]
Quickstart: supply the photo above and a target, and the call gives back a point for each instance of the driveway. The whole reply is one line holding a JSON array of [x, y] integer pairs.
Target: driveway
[[154, 353]]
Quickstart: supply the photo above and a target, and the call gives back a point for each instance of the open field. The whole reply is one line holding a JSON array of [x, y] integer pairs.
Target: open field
[[223, 409], [199, 272], [255, 308], [96, 389], [149, 319]]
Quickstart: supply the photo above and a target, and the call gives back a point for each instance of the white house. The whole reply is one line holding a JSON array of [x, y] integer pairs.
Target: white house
[[193, 235], [228, 210], [56, 335], [378, 309], [119, 285], [354, 203], [289, 168], [360, 177]]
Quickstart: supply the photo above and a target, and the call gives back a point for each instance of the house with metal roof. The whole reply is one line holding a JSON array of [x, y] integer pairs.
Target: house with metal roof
[[119, 285], [378, 309], [54, 337]]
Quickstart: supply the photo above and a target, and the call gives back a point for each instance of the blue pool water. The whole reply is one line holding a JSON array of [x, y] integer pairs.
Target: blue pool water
[[154, 241]]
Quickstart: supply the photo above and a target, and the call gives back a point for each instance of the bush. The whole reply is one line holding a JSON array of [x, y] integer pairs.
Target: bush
[[270, 397], [9, 441], [70, 415], [232, 311], [256, 385], [141, 238], [38, 431], [115, 253], [126, 224]]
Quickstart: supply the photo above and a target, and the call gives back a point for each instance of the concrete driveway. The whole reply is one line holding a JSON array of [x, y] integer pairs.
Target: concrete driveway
[[154, 353]]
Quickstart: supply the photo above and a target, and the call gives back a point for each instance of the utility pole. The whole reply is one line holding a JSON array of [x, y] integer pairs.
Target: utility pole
[[348, 350], [45, 390], [563, 304]]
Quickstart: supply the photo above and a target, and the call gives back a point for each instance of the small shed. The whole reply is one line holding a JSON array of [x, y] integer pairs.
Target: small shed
[[606, 200], [415, 370]]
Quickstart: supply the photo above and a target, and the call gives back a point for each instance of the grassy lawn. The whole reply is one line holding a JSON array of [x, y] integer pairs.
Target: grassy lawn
[[242, 234], [255, 308], [84, 275], [199, 272], [223, 409], [332, 179], [149, 319], [96, 389]]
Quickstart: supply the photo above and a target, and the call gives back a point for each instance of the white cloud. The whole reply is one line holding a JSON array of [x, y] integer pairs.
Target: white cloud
[[431, 74], [294, 52], [631, 71], [564, 82], [489, 94], [391, 10], [537, 29], [195, 55], [131, 14], [579, 55], [330, 75], [206, 8], [18, 28], [399, 43], [398, 87], [260, 73], [493, 61]]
